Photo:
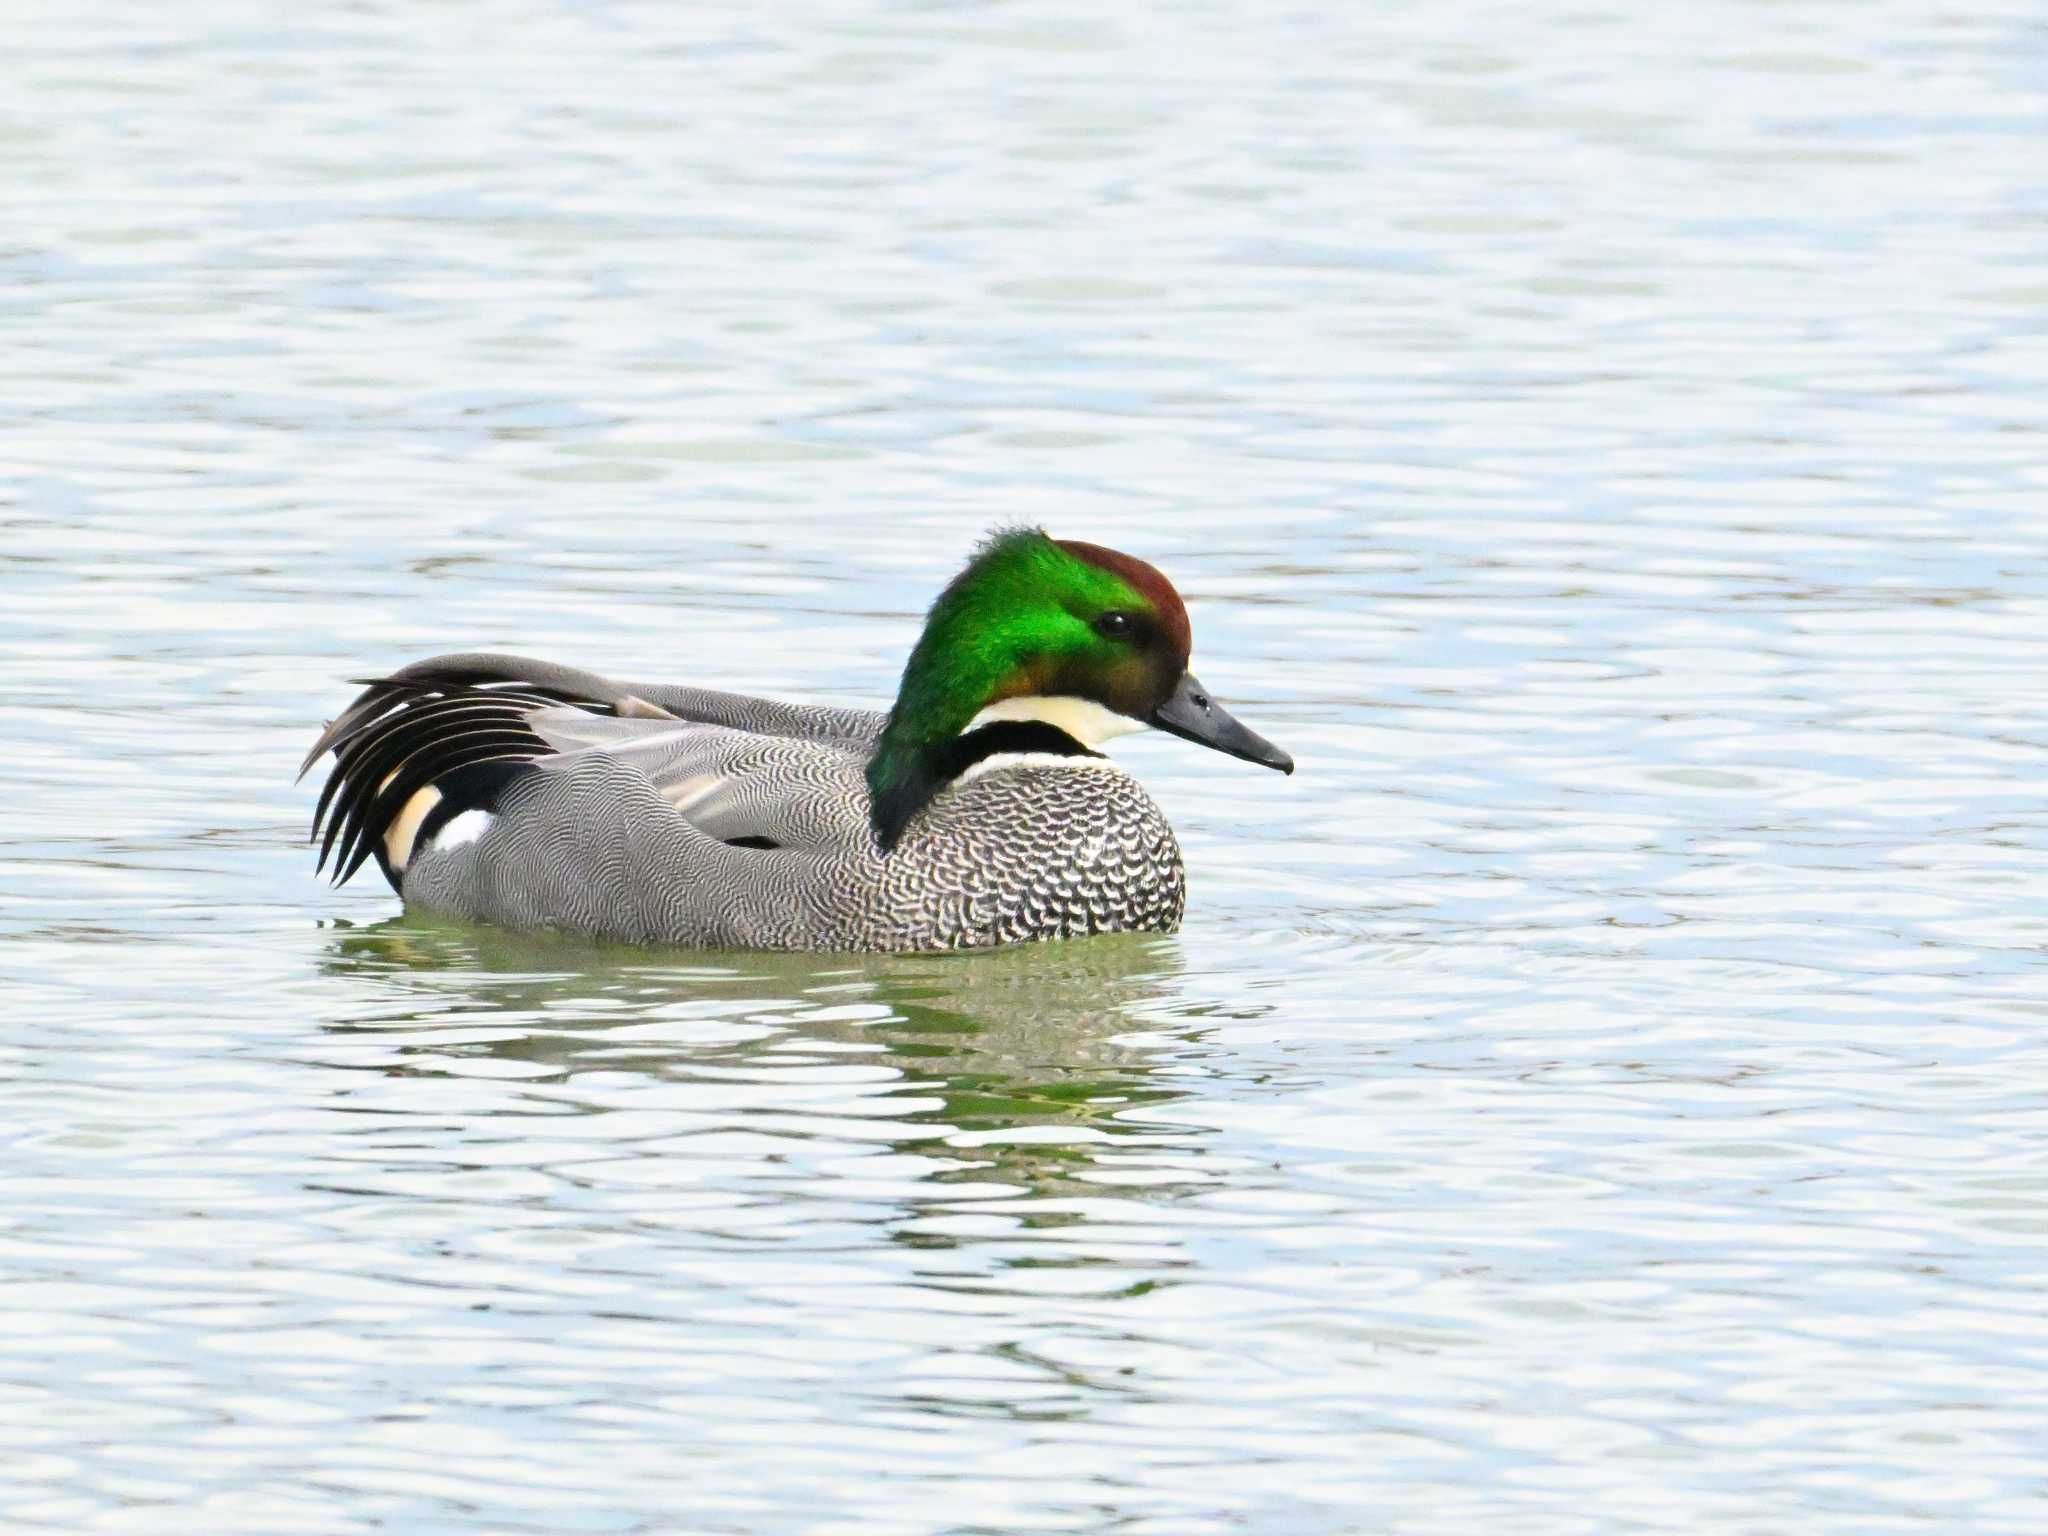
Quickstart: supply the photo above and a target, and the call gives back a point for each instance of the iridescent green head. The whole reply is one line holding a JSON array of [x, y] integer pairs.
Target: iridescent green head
[[1043, 644]]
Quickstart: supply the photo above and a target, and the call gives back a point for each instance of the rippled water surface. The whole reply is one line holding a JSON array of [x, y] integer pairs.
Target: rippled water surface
[[1604, 1091]]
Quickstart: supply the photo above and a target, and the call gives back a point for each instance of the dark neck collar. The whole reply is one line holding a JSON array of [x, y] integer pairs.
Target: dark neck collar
[[955, 757], [941, 765]]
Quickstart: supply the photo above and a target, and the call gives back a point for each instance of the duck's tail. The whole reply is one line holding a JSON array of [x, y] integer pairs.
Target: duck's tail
[[431, 741]]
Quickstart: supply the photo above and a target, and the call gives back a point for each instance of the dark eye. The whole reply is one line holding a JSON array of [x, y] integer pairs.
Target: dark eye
[[1116, 625]]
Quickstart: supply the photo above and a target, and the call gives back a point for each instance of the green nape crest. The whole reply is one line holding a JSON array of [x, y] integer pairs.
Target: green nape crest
[[1029, 615]]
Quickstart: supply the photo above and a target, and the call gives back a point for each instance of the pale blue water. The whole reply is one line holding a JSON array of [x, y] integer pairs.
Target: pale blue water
[[1605, 1091]]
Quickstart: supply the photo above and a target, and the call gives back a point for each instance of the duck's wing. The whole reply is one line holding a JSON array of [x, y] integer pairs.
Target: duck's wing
[[740, 787], [446, 734], [768, 717], [590, 690]]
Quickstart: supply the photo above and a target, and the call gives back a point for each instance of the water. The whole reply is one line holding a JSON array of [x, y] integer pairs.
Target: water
[[1604, 1091]]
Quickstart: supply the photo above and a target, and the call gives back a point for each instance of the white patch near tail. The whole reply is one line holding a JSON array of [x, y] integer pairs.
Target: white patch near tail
[[462, 830]]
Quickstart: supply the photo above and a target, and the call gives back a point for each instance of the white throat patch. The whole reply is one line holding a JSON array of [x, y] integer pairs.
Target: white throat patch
[[1086, 721]]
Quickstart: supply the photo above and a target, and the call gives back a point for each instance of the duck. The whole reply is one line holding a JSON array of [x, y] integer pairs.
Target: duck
[[978, 810]]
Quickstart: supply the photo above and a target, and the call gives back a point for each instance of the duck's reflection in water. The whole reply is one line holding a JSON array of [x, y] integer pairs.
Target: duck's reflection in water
[[998, 1113]]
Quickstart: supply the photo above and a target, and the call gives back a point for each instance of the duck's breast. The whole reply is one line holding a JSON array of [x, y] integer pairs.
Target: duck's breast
[[1038, 850]]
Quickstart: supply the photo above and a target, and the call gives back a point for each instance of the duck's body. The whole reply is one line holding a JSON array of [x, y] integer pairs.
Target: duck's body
[[512, 791]]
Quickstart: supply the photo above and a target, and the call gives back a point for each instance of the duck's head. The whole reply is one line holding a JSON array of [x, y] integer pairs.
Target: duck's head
[[1043, 644]]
